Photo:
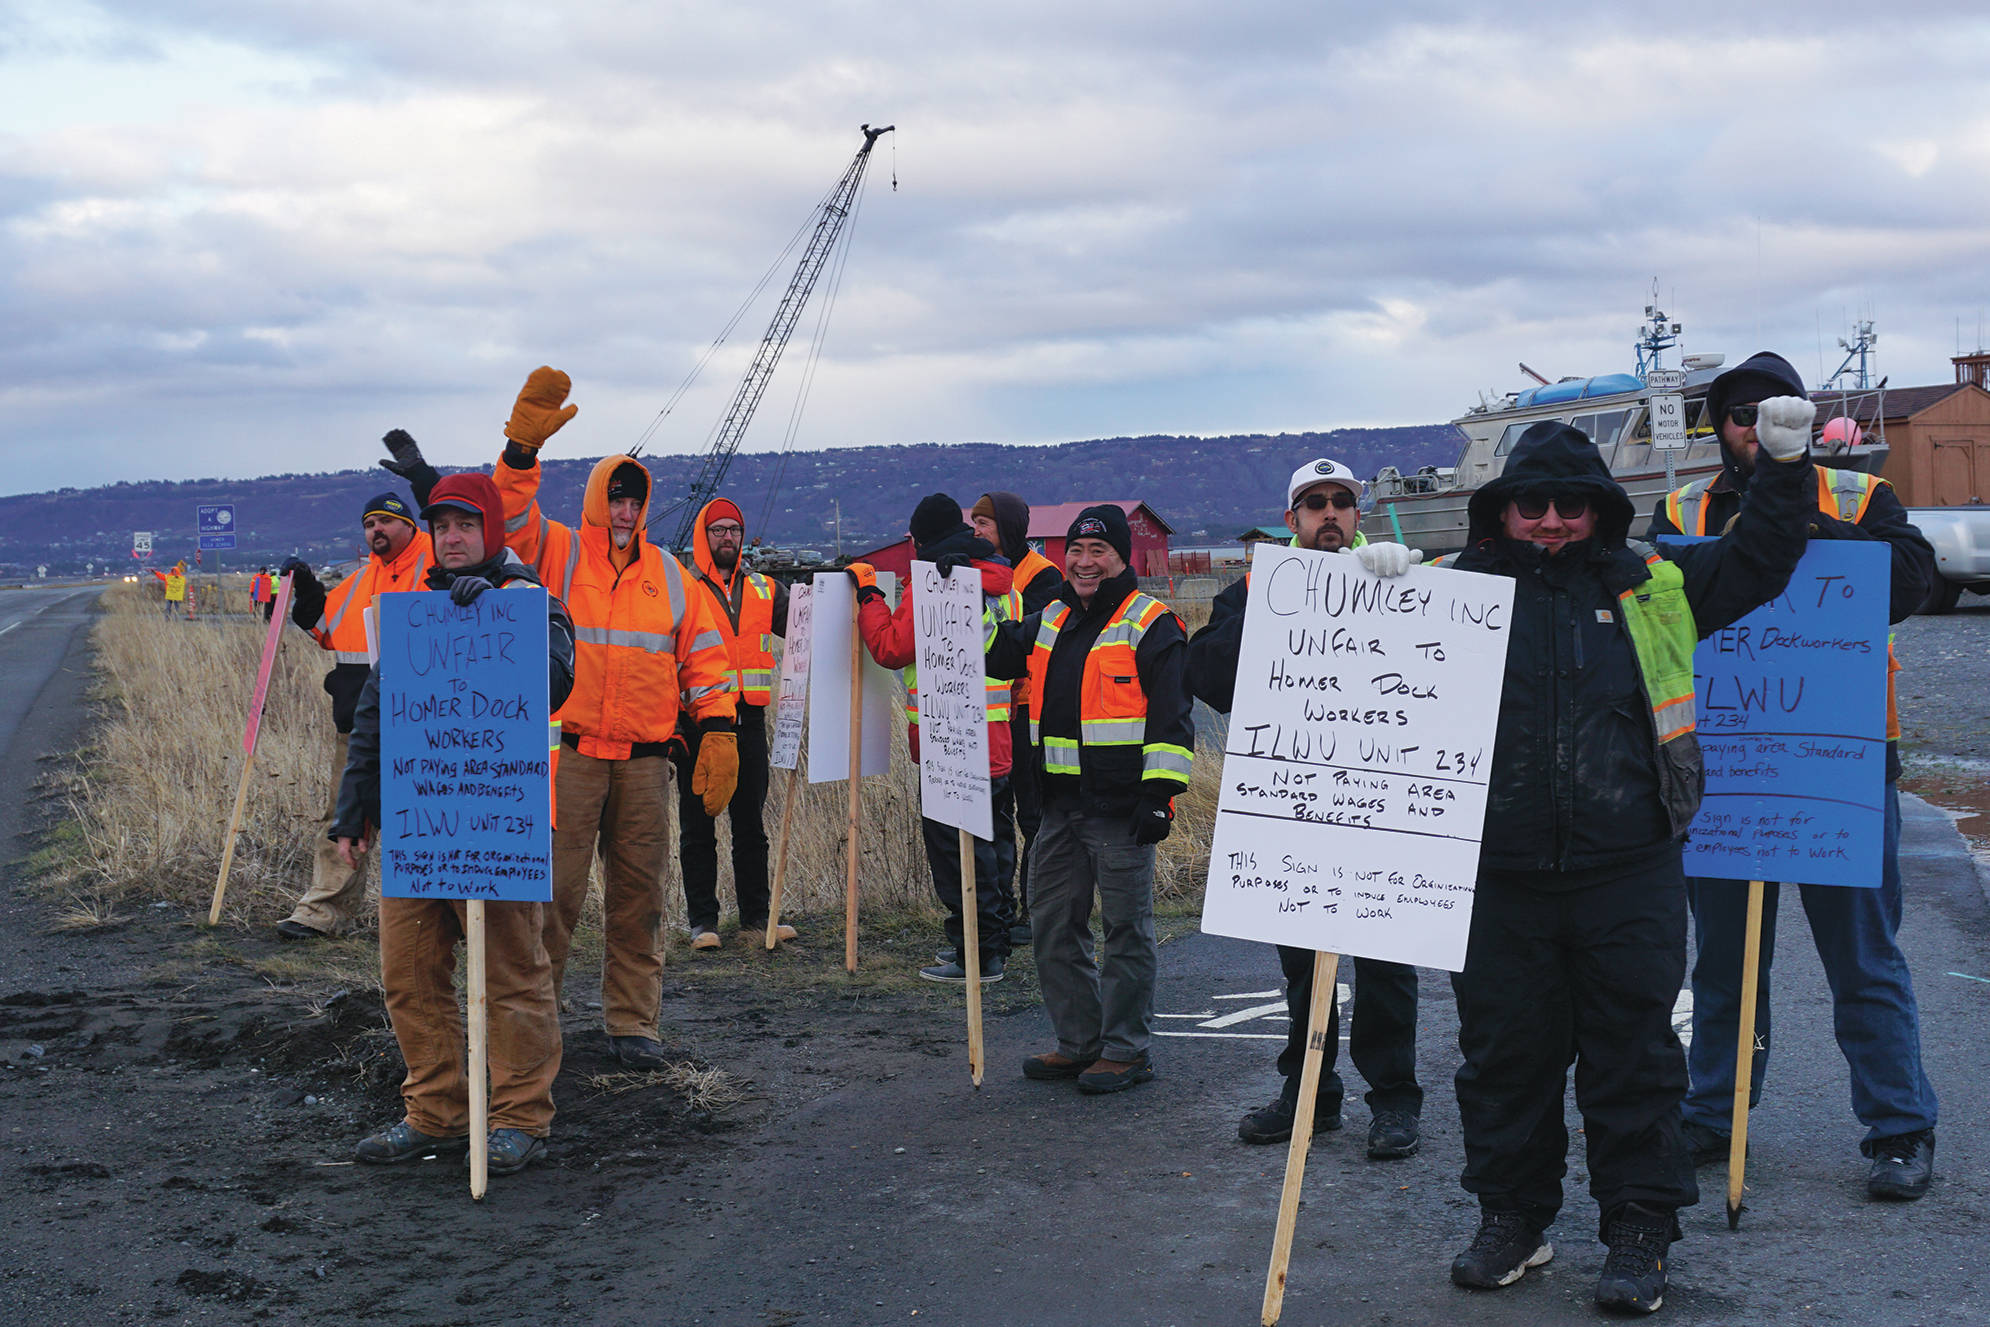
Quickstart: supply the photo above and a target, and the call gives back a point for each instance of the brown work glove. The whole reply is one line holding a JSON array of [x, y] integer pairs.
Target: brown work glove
[[537, 415], [717, 771]]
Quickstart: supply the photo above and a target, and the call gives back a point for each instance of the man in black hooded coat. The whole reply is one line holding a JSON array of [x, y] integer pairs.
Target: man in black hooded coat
[[1578, 934]]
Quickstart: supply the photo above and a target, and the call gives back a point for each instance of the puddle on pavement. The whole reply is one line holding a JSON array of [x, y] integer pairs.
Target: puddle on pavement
[[1961, 788]]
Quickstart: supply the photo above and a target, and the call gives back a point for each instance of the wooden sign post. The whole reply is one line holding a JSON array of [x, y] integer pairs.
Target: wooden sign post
[[251, 732], [1744, 1054], [849, 717], [1326, 969], [954, 785], [1354, 782], [459, 681]]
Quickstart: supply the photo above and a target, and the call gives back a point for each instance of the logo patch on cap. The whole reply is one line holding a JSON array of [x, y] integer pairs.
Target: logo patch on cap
[[1091, 525], [1324, 468]]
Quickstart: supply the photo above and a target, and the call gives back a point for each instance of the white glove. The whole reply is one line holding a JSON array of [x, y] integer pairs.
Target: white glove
[[1386, 559], [1782, 426]]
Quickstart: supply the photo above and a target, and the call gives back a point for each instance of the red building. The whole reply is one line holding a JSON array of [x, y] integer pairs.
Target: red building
[[1046, 534]]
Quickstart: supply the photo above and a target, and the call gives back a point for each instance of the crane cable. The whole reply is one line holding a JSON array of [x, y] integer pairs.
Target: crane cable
[[727, 331], [814, 359]]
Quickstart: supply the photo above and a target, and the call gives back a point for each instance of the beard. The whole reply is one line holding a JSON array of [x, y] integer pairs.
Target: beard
[[621, 537], [1328, 538], [725, 559]]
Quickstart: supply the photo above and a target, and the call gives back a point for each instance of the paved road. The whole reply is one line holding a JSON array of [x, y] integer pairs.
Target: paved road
[[889, 1191]]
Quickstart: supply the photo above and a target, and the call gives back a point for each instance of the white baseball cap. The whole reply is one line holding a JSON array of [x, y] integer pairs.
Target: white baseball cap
[[1322, 471]]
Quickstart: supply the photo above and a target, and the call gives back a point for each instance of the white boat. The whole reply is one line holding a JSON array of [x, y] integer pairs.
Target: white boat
[[1426, 509]]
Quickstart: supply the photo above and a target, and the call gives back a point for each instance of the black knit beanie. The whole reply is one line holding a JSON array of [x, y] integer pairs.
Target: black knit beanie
[[1106, 522], [936, 517], [389, 504]]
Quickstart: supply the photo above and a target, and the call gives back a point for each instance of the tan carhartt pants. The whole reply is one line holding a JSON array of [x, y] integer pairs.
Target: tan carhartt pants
[[337, 891]]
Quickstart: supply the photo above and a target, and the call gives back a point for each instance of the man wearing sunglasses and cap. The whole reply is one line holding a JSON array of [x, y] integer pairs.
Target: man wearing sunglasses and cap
[[1323, 512], [1578, 939], [1872, 992]]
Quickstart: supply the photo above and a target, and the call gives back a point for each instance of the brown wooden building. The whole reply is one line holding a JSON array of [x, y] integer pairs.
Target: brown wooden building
[[1939, 437]]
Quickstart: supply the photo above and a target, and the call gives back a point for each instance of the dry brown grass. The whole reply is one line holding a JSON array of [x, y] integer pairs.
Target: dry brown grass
[[152, 798]]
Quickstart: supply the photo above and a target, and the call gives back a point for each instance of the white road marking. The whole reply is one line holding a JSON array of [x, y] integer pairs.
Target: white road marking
[[1246, 1014], [1252, 995]]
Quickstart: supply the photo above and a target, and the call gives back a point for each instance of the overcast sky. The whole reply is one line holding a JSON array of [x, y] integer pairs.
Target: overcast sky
[[243, 236]]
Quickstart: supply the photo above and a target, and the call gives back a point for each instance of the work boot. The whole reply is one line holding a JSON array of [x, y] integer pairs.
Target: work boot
[[1115, 1075], [643, 1054], [512, 1150], [404, 1142], [1903, 1165], [782, 931], [704, 937], [1633, 1279], [1053, 1065], [290, 930], [1272, 1123], [1392, 1135], [951, 971], [1506, 1245], [1708, 1146]]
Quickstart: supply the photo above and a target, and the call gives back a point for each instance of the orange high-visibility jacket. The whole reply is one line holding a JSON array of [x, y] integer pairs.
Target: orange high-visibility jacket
[[744, 602], [645, 648], [341, 627], [1033, 565], [259, 588]]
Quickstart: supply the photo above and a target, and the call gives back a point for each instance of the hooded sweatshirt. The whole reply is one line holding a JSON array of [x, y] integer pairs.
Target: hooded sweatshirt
[[728, 589], [647, 648], [891, 638], [1578, 794]]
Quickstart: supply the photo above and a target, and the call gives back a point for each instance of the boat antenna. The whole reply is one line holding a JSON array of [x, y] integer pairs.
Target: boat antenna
[[1657, 334]]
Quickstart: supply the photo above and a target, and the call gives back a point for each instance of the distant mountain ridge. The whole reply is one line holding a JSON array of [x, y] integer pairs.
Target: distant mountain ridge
[[1208, 489]]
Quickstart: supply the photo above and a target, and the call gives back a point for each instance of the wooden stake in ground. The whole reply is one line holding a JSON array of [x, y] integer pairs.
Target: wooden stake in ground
[[272, 638], [856, 788], [970, 957], [781, 855], [480, 1053], [1326, 968], [1744, 1055]]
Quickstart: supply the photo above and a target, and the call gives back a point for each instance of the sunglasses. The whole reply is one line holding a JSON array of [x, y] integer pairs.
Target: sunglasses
[[1568, 506], [1743, 415], [1341, 498]]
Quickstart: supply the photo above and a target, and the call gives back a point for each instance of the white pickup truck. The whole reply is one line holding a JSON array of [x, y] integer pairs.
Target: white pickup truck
[[1961, 536]]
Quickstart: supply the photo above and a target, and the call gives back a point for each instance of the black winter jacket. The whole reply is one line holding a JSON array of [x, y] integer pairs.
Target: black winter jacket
[[1578, 793], [1110, 783], [359, 789]]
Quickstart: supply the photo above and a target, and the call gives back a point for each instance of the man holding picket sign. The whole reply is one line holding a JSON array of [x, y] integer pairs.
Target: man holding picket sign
[[1578, 931], [942, 536], [423, 907], [1323, 512], [1874, 1011]]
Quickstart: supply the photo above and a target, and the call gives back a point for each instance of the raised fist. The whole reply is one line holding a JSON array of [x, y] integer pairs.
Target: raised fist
[[1782, 426]]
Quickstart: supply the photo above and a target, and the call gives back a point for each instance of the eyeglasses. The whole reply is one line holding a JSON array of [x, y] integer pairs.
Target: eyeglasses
[[718, 531], [1743, 415], [1568, 506], [1341, 498]]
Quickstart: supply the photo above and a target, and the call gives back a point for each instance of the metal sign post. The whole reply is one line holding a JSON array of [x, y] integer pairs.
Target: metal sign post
[[1666, 405]]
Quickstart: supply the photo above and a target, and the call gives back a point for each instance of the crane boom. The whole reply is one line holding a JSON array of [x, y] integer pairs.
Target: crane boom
[[830, 216]]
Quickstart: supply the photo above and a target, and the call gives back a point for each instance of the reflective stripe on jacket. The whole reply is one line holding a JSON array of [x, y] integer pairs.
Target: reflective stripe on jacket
[[1033, 565], [1112, 707], [995, 609], [744, 604], [645, 648]]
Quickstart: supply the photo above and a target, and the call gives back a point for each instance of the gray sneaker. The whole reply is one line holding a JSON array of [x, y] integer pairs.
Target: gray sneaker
[[991, 971]]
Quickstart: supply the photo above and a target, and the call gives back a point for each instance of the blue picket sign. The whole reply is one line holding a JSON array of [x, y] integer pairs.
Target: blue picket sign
[[1792, 727], [465, 765]]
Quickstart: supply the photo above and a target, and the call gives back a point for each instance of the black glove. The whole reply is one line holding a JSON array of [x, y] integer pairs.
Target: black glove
[[1152, 819], [410, 465], [946, 562], [465, 589], [300, 569]]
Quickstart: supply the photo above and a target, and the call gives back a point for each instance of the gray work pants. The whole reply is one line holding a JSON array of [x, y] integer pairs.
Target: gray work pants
[[1103, 1011]]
